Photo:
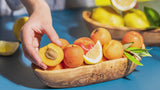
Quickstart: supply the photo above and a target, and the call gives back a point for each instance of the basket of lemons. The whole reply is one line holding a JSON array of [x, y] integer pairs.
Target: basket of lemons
[[121, 17]]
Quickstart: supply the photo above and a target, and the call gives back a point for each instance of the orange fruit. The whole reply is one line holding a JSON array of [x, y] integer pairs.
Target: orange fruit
[[101, 34], [134, 37], [113, 50], [73, 56]]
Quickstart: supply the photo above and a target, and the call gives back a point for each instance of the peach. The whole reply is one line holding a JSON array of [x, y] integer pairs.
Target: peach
[[51, 54], [101, 34], [134, 37], [64, 43], [113, 50], [73, 56], [57, 67], [85, 43]]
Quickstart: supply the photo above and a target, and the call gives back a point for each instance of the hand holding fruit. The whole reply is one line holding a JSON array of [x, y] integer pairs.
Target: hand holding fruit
[[39, 23]]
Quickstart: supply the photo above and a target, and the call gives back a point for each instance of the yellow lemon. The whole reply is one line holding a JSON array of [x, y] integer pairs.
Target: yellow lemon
[[108, 2], [135, 18], [94, 55], [107, 15], [123, 5], [8, 48], [18, 25]]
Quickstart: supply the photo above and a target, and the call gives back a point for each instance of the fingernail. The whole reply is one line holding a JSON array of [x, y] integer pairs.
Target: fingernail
[[43, 66], [59, 42]]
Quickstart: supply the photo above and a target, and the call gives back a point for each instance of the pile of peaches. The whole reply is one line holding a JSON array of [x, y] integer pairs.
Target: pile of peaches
[[71, 55]]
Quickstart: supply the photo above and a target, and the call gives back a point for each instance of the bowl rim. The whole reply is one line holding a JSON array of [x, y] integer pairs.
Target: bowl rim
[[87, 18]]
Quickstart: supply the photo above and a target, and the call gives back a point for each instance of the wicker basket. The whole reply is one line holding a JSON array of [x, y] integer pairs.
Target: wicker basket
[[151, 37]]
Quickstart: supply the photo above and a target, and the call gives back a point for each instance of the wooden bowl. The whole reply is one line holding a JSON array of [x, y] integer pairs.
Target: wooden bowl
[[151, 37], [85, 75]]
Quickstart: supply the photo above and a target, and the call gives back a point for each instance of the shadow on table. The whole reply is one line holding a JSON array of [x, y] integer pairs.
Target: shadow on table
[[155, 52], [12, 67]]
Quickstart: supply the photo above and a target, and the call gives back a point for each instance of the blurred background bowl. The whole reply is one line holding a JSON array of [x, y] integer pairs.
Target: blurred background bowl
[[151, 36]]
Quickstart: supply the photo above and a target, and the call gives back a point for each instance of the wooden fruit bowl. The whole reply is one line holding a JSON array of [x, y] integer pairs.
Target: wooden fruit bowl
[[151, 37], [85, 75]]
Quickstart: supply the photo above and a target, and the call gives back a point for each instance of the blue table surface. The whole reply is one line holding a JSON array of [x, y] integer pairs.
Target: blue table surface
[[16, 72]]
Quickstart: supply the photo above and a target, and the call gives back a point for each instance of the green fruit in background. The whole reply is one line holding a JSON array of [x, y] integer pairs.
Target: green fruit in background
[[135, 18], [152, 16], [107, 15]]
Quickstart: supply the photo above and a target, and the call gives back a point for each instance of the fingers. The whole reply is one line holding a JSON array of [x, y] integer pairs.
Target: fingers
[[34, 57], [30, 47], [31, 41], [52, 35]]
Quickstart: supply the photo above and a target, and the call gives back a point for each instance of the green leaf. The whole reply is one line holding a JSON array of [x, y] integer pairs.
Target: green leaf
[[137, 55], [130, 57], [144, 54], [152, 16], [131, 48], [140, 52], [127, 45], [152, 27]]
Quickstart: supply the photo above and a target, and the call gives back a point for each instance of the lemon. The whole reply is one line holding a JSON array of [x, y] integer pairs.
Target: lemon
[[18, 25], [123, 5], [135, 18], [94, 55], [8, 48], [108, 16]]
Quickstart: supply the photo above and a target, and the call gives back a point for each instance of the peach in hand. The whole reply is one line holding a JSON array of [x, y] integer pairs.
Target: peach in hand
[[85, 43], [51, 54]]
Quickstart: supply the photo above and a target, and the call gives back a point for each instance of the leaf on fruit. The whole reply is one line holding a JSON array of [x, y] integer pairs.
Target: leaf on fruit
[[139, 52], [130, 57], [127, 45], [131, 48], [137, 55], [130, 51]]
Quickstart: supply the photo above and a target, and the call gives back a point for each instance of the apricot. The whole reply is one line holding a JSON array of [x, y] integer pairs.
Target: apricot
[[51, 54], [73, 56], [113, 50], [85, 43], [134, 37], [64, 43], [57, 67], [65, 66], [101, 34]]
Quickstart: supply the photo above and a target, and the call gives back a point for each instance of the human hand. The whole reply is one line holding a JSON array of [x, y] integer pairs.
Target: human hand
[[39, 23]]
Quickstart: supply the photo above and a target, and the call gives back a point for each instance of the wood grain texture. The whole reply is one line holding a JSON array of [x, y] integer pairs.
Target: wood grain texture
[[85, 75], [151, 37]]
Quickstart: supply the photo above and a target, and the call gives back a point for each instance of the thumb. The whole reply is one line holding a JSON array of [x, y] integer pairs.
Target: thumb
[[52, 35]]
